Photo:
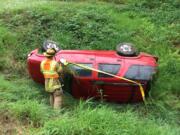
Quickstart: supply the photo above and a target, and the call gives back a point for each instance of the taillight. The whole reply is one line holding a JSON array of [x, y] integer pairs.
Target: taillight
[[32, 52], [156, 58]]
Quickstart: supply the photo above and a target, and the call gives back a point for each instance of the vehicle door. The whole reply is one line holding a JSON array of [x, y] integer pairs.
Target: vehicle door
[[108, 87], [82, 78]]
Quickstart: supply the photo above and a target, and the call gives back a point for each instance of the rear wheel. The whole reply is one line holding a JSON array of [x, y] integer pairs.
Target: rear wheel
[[50, 44], [126, 49]]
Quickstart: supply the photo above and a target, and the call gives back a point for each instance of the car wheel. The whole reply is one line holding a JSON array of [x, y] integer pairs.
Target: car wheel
[[50, 44], [126, 49]]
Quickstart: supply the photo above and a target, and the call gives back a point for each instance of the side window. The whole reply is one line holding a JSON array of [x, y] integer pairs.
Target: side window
[[109, 68], [81, 71], [140, 72]]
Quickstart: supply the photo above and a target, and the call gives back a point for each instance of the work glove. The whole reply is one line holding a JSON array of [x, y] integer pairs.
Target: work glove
[[63, 61]]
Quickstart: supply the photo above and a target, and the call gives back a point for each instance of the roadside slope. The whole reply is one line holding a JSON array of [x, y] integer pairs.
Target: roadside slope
[[152, 27]]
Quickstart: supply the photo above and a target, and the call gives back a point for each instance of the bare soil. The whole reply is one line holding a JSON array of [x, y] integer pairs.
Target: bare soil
[[9, 125]]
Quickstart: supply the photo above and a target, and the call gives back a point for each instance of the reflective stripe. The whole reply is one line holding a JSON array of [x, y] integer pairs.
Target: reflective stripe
[[51, 76], [42, 63], [49, 72]]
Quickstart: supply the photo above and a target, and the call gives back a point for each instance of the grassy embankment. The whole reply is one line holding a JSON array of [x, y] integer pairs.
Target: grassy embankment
[[152, 26]]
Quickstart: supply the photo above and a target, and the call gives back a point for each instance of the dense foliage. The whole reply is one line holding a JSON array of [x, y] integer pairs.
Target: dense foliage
[[153, 26]]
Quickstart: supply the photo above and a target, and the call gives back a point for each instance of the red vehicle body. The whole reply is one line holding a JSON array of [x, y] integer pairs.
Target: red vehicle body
[[87, 84]]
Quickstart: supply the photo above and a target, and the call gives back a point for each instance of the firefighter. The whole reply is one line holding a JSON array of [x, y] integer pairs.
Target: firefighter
[[51, 71]]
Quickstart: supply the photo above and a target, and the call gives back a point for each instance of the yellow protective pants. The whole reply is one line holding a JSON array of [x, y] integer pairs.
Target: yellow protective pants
[[56, 99]]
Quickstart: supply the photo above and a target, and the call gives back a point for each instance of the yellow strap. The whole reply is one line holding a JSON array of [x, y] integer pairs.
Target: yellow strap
[[99, 71], [49, 72]]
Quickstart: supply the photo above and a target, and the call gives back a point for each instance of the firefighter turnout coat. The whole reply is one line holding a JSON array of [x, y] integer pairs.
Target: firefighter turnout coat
[[51, 69]]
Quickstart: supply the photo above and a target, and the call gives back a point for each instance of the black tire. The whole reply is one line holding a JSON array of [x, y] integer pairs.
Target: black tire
[[50, 44], [126, 49]]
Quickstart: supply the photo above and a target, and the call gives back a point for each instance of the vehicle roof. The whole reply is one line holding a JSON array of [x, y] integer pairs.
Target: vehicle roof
[[105, 56], [104, 53], [101, 56], [97, 57]]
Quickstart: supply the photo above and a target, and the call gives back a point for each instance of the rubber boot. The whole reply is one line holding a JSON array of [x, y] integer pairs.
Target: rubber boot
[[57, 99]]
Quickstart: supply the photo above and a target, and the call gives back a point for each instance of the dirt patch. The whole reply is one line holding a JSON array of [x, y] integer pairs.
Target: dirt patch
[[9, 125], [176, 43], [177, 46]]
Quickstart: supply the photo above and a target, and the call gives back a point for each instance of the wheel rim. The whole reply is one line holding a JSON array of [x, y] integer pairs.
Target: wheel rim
[[126, 48]]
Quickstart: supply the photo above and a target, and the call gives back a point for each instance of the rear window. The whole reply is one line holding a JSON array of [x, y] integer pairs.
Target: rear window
[[79, 71], [140, 72], [109, 68]]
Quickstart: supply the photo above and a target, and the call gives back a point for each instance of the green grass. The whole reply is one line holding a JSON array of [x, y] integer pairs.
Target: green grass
[[25, 101], [152, 26], [104, 121]]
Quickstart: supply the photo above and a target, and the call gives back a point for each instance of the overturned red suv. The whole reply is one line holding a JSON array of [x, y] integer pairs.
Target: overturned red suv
[[124, 62]]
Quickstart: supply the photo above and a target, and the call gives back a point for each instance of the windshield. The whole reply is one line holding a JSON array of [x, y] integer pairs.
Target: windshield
[[140, 72]]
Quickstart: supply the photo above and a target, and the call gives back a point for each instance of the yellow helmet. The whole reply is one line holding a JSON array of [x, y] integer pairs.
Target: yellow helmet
[[50, 52]]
